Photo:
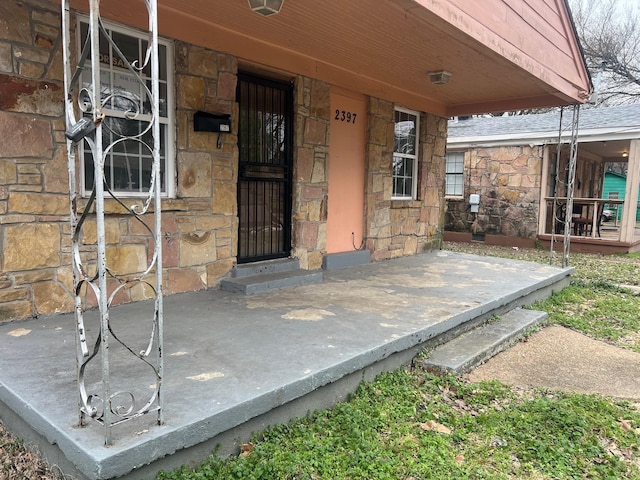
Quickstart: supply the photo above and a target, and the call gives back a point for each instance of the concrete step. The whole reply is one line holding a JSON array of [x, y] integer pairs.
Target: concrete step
[[268, 282], [478, 345], [337, 261], [267, 266]]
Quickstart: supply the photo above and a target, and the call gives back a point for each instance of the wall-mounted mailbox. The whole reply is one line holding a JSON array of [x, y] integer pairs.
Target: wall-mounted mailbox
[[211, 122], [474, 201]]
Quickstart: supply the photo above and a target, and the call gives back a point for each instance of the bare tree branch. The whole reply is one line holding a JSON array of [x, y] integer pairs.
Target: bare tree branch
[[609, 31]]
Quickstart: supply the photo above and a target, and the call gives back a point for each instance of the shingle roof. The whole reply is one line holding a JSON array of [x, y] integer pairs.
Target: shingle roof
[[590, 118]]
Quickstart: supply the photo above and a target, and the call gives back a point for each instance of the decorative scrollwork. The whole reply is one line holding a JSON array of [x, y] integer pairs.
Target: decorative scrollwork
[[120, 409], [94, 406], [116, 119]]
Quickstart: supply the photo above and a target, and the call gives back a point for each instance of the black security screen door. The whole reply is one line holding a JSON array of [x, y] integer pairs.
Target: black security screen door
[[264, 183]]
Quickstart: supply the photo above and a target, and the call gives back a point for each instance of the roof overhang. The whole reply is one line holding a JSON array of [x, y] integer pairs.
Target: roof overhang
[[602, 144], [542, 138], [503, 55]]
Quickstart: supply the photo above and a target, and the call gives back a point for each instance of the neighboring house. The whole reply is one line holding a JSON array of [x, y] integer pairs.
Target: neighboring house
[[615, 186], [510, 162], [360, 128]]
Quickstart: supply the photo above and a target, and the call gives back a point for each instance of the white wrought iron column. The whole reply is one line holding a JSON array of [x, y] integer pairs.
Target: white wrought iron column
[[563, 206], [556, 208], [112, 392], [571, 177]]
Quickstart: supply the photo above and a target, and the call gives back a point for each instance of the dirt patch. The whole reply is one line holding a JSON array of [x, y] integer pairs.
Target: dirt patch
[[558, 358], [20, 463]]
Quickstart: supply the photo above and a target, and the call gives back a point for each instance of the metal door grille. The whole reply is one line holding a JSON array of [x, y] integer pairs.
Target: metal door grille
[[264, 184]]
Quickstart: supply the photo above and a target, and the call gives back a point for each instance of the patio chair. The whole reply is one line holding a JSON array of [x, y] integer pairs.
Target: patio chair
[[589, 224], [584, 225], [579, 222]]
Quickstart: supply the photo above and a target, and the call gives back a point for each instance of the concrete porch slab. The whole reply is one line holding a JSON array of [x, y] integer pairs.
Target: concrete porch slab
[[235, 364]]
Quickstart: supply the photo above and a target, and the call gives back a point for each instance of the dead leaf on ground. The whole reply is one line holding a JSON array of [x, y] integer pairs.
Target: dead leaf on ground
[[625, 424], [436, 427], [459, 459], [246, 449]]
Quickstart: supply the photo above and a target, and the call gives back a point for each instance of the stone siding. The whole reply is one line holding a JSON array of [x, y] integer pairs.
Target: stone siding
[[508, 180], [310, 179], [207, 223], [199, 226], [34, 206], [406, 227]]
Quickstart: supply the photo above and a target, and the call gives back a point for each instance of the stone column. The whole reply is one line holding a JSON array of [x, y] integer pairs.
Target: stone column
[[310, 179], [378, 181]]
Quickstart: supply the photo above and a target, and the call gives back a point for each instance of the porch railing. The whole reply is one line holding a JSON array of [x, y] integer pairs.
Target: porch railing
[[585, 217]]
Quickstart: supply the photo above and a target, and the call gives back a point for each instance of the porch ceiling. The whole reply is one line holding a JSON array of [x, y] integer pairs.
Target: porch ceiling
[[607, 151], [501, 57]]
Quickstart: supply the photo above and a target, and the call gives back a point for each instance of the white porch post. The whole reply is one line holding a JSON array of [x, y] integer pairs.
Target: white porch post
[[631, 193], [544, 191]]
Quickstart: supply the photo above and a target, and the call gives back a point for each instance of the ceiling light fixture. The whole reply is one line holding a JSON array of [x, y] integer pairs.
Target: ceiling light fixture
[[625, 154], [266, 7], [440, 77]]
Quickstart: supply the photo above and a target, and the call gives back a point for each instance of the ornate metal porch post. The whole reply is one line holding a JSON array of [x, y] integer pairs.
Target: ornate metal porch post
[[119, 374], [569, 180]]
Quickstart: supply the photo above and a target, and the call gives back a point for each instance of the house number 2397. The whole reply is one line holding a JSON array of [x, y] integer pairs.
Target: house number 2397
[[345, 116]]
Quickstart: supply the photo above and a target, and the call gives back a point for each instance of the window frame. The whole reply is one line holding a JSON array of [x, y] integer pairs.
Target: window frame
[[415, 157], [460, 174], [168, 120]]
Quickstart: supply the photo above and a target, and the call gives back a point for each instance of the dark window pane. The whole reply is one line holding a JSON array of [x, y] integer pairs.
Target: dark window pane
[[162, 53], [129, 46], [408, 167], [88, 169], [124, 171], [145, 172]]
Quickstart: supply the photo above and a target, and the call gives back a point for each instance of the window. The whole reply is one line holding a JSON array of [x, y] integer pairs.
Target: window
[[127, 108], [405, 154], [454, 174]]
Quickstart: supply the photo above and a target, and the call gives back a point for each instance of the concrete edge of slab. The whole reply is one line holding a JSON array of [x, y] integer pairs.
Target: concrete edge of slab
[[160, 449], [419, 340]]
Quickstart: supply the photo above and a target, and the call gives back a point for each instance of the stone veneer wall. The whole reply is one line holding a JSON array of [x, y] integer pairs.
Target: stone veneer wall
[[310, 178], [200, 225], [34, 204], [199, 246], [393, 228], [508, 180], [397, 228]]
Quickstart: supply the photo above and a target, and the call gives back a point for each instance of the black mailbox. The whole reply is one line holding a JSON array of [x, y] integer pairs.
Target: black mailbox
[[211, 122]]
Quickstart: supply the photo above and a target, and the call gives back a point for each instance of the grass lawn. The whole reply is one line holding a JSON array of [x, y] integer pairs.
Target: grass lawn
[[410, 424]]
